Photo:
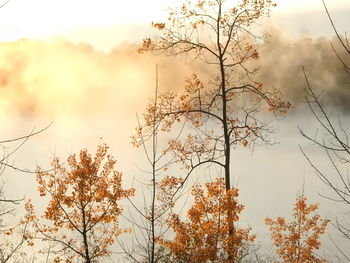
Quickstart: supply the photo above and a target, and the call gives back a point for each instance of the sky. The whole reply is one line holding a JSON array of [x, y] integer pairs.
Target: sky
[[88, 80], [105, 23]]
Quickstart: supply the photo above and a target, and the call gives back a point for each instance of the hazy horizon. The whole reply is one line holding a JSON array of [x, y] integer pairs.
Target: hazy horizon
[[90, 81]]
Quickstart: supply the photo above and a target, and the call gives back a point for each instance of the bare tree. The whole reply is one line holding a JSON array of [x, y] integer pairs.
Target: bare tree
[[157, 201], [8, 246], [4, 3], [331, 137]]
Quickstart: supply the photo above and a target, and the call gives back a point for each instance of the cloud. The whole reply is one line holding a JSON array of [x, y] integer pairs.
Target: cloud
[[282, 59], [90, 94], [59, 78]]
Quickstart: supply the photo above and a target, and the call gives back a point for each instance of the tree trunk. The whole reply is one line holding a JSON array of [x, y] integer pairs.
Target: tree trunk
[[86, 245]]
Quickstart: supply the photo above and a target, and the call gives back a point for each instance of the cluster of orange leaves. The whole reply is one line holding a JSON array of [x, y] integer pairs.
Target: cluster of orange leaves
[[206, 236], [197, 99], [297, 240], [200, 13], [83, 203], [167, 187]]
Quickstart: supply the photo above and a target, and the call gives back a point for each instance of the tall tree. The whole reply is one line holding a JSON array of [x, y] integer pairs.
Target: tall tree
[[224, 112], [153, 209], [82, 215]]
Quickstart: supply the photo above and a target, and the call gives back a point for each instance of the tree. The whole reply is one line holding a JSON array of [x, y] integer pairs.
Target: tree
[[82, 215], [334, 142], [224, 112], [206, 237], [8, 247], [332, 138], [155, 205], [296, 241], [8, 227]]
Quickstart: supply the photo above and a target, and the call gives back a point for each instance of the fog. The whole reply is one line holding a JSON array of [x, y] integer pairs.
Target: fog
[[91, 96]]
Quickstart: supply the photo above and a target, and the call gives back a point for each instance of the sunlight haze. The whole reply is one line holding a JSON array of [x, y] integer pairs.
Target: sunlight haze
[[232, 101], [44, 19]]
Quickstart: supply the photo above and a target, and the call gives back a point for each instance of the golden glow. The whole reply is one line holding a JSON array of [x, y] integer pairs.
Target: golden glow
[[44, 18], [50, 17], [59, 78], [74, 74]]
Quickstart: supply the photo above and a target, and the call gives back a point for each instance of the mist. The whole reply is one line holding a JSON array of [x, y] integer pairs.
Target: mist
[[92, 96], [59, 78], [283, 59]]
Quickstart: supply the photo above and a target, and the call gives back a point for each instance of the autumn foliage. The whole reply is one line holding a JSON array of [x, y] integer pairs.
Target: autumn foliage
[[297, 240], [206, 236], [82, 215], [204, 121], [221, 112], [215, 113]]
